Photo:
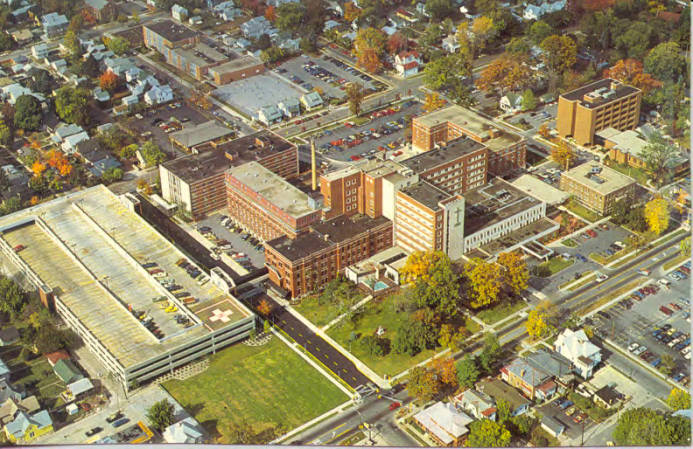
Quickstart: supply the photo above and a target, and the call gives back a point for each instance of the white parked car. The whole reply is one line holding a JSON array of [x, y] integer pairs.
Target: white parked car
[[601, 277], [633, 347]]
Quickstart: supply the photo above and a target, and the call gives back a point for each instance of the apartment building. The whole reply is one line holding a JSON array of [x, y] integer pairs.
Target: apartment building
[[507, 151], [596, 186], [429, 219], [458, 166], [306, 263], [267, 205], [237, 69], [597, 106], [165, 35], [196, 182]]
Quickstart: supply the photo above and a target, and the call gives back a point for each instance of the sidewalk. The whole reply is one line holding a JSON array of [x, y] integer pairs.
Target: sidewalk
[[341, 317]]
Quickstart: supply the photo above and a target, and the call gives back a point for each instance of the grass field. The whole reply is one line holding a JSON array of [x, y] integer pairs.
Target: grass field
[[581, 211], [320, 314], [497, 313], [35, 376], [264, 389], [570, 243], [636, 173], [602, 260], [555, 264]]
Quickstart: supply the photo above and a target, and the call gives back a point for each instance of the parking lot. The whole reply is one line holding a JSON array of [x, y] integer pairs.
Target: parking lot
[[534, 119], [238, 245], [325, 72], [369, 138], [249, 95], [638, 325], [567, 416], [148, 126]]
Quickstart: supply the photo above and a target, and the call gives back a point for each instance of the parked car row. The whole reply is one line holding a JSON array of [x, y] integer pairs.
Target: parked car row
[[360, 137]]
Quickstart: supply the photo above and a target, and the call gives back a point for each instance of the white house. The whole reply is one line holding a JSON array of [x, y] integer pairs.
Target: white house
[[407, 63], [179, 13], [480, 405], [69, 144], [329, 25], [290, 107], [158, 95], [54, 24], [576, 347], [40, 51], [511, 102], [311, 100], [444, 422], [269, 114], [256, 27], [535, 12], [130, 100], [64, 130], [450, 44], [187, 431]]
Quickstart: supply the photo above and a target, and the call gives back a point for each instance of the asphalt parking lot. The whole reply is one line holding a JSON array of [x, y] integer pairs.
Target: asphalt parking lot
[[572, 429], [633, 322], [331, 70], [257, 257], [185, 114], [543, 114], [368, 146]]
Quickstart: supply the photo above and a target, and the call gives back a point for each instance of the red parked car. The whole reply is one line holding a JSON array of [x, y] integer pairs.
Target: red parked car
[[666, 311], [395, 405]]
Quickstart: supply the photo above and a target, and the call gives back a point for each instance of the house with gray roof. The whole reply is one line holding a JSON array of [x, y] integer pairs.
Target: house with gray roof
[[54, 24], [186, 431], [269, 114], [499, 390], [311, 100]]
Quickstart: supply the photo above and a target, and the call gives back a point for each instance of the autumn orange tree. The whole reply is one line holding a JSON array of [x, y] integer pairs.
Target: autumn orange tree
[[515, 272], [563, 154], [630, 71], [485, 282], [57, 160], [544, 130], [109, 81], [369, 47], [351, 12], [657, 215], [433, 102], [559, 53], [446, 370], [423, 384], [396, 43], [265, 308], [270, 13], [505, 73], [38, 168]]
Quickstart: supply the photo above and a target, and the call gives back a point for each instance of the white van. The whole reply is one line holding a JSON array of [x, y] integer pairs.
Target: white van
[[664, 283]]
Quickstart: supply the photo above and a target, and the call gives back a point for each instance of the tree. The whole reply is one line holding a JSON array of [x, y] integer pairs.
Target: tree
[[539, 31], [658, 156], [355, 95], [505, 73], [518, 47], [679, 399], [490, 352], [351, 12], [12, 297], [71, 105], [467, 372], [112, 174], [537, 323], [72, 44], [657, 215], [563, 154], [412, 337], [487, 433], [515, 272], [485, 282], [28, 113], [432, 102], [445, 371], [630, 71], [264, 42], [635, 41], [289, 17], [272, 54], [646, 427], [503, 411], [483, 31], [439, 9], [423, 384], [667, 365], [369, 47], [529, 101], [396, 43], [665, 62], [109, 81], [264, 308], [271, 13], [152, 154], [6, 42], [160, 414], [560, 53], [685, 247], [6, 135], [436, 284], [375, 346], [118, 45]]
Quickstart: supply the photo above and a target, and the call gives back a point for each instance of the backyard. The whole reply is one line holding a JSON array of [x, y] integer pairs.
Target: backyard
[[267, 390], [33, 375]]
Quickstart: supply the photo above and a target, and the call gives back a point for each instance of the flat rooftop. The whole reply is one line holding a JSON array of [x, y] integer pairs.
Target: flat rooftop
[[494, 202], [171, 31], [89, 248], [202, 54], [600, 92], [374, 168], [324, 235], [472, 123], [426, 194], [191, 136], [598, 177], [274, 189], [450, 152], [236, 64], [213, 161], [533, 186]]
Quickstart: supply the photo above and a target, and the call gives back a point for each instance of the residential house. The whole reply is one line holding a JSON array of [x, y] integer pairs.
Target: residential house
[[269, 114], [407, 16], [21, 11], [23, 36], [130, 100], [278, 3], [79, 388], [335, 6], [389, 30], [101, 95], [10, 334], [450, 44], [13, 91], [290, 107], [530, 380], [4, 371], [445, 424], [158, 95], [40, 51], [407, 63], [607, 397], [535, 12], [256, 27], [11, 406], [187, 431], [195, 20], [511, 102], [478, 404], [552, 426], [54, 357], [311, 100], [99, 167], [67, 371], [329, 25], [576, 347], [500, 391], [179, 13], [54, 24], [8, 392], [102, 10], [26, 428], [63, 131], [555, 365], [69, 144]]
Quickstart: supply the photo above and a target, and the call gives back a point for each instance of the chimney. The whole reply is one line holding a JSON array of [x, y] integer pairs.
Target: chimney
[[313, 168]]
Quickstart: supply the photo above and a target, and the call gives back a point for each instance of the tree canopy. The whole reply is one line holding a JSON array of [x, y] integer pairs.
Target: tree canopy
[[28, 113], [160, 414], [646, 427], [71, 105], [487, 433]]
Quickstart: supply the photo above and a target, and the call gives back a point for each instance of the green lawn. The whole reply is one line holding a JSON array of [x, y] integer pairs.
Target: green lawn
[[375, 314], [261, 388], [497, 313], [570, 243], [554, 265], [581, 211], [675, 261], [35, 376], [636, 173], [604, 260], [320, 314]]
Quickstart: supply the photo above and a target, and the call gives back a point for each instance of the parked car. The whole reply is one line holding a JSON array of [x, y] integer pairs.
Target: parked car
[[93, 431], [114, 417]]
